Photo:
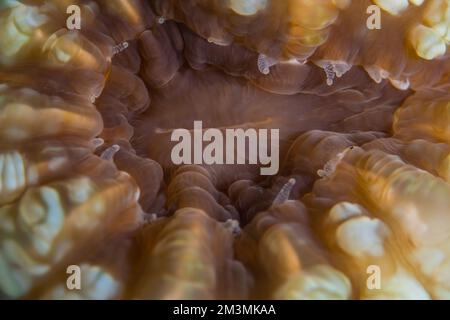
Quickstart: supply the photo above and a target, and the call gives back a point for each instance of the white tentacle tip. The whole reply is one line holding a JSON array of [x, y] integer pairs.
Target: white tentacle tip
[[109, 153], [120, 47], [233, 226], [264, 63], [97, 142], [285, 192]]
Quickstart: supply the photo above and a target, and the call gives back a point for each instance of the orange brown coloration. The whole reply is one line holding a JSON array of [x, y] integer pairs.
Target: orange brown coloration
[[86, 176]]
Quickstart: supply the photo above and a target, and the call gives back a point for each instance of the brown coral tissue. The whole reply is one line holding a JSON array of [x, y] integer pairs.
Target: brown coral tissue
[[224, 149]]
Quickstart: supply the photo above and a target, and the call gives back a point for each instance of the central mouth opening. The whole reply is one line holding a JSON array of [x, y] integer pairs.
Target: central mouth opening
[[195, 80]]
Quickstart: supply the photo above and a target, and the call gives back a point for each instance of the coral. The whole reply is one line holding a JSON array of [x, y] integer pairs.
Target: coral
[[86, 175]]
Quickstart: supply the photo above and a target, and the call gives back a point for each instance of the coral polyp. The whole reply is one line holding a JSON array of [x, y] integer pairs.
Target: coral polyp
[[348, 197]]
